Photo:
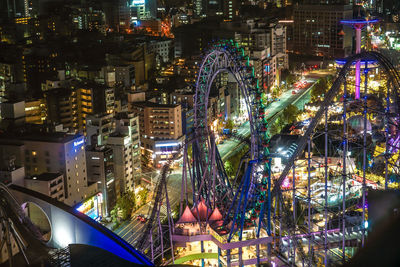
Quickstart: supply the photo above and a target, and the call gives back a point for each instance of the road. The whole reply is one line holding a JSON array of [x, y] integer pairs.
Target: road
[[132, 230], [228, 147]]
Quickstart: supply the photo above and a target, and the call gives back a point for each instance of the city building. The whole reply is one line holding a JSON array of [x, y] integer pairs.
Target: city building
[[92, 98], [49, 184], [123, 154], [98, 129], [52, 153], [35, 111], [317, 30], [62, 107], [128, 124], [160, 131], [100, 169], [13, 175]]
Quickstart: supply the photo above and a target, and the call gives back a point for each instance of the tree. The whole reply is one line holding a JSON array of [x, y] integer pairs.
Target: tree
[[319, 89], [229, 168], [189, 151], [125, 205], [290, 114], [229, 124]]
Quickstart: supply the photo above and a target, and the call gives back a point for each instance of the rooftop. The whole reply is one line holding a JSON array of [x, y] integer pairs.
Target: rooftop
[[46, 176], [153, 105]]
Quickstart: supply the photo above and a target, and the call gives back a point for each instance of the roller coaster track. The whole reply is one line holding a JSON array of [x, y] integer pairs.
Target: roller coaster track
[[329, 96]]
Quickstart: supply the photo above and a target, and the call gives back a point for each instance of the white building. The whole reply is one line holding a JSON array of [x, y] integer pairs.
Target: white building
[[49, 184]]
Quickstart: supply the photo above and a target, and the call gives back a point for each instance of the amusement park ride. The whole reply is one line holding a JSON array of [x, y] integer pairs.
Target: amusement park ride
[[267, 217]]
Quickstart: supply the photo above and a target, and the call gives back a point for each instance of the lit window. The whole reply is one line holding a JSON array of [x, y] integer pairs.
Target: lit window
[[34, 153]]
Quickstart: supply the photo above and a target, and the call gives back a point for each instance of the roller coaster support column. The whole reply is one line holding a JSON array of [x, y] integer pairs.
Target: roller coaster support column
[[326, 190], [309, 199], [294, 207], [344, 173], [387, 121], [202, 251], [358, 28], [358, 25], [364, 185], [219, 257]]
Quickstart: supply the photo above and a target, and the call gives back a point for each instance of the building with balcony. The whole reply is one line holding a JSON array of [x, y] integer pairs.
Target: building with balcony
[[160, 130], [49, 184], [100, 169], [98, 128]]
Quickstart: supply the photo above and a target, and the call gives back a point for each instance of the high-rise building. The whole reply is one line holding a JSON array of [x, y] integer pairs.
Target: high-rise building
[[62, 107], [160, 130], [54, 153], [98, 129], [100, 169], [317, 30], [123, 152]]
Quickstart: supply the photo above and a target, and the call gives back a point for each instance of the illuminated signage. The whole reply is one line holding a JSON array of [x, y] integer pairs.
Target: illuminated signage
[[137, 2], [78, 143], [167, 144], [95, 158]]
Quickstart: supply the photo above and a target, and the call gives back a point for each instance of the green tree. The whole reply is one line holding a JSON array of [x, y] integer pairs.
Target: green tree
[[229, 124], [290, 114], [125, 205], [143, 194], [276, 126], [290, 79], [229, 168], [320, 88], [189, 151]]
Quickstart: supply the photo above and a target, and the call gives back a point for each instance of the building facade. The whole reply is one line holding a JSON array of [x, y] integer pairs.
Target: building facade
[[317, 30]]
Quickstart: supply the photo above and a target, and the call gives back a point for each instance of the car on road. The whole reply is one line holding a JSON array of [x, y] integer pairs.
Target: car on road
[[294, 92], [142, 218]]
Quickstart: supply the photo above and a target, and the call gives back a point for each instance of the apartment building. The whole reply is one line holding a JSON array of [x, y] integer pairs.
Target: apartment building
[[49, 184], [160, 130]]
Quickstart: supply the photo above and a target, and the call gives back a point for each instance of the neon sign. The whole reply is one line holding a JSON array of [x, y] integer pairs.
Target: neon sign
[[137, 2], [78, 143]]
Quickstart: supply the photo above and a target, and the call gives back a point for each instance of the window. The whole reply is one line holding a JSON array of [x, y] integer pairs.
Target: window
[[34, 153], [77, 173]]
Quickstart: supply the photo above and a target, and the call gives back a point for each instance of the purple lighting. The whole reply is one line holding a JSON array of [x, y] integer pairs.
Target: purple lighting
[[358, 24], [358, 21]]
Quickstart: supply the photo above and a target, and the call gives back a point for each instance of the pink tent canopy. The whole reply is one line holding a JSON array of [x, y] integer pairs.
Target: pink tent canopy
[[187, 216], [215, 215], [201, 211]]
